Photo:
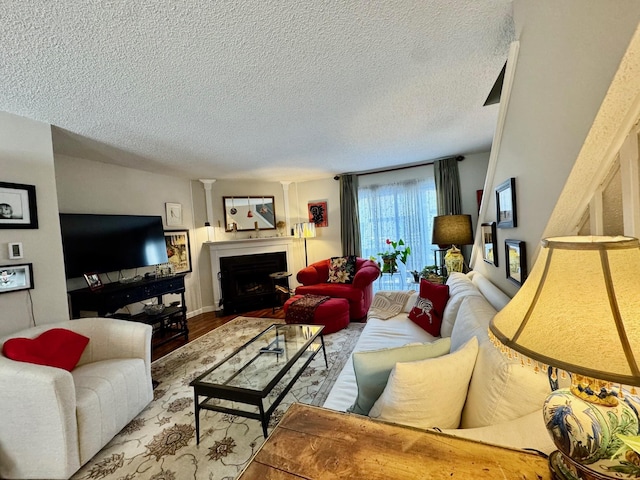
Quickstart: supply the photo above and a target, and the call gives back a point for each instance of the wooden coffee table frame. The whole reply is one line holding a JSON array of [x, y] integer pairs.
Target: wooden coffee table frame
[[249, 396]]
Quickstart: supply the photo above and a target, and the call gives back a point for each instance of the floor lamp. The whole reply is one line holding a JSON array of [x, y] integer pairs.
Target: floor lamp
[[305, 230]]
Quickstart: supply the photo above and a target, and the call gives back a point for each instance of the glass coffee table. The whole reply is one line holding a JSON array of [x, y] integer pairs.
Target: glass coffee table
[[245, 382]]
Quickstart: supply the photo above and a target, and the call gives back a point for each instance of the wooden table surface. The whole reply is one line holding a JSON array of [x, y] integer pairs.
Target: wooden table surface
[[317, 443]]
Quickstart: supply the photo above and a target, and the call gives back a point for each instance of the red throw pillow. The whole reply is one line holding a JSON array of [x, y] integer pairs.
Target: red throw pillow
[[428, 310], [55, 348]]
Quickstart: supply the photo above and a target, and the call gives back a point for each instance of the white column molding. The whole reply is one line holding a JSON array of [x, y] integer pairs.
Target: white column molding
[[208, 183], [285, 190], [630, 176]]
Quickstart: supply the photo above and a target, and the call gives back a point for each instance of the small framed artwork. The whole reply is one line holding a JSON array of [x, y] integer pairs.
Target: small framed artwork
[[18, 206], [489, 243], [178, 250], [15, 250], [516, 261], [506, 204], [318, 213], [16, 277], [174, 214], [93, 280]]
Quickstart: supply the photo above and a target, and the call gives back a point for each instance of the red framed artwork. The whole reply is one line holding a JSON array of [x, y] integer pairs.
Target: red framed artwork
[[318, 213]]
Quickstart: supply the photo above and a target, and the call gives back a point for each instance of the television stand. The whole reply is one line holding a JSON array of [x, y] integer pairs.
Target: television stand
[[171, 323]]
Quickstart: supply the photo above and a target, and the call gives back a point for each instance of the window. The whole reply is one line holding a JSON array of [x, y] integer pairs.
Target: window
[[402, 210]]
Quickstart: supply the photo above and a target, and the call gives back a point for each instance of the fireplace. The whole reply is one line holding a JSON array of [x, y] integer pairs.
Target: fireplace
[[245, 281], [245, 247]]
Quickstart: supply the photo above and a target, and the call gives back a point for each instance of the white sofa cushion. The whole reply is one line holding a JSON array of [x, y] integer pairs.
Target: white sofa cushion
[[372, 368], [394, 332], [428, 393], [109, 394], [460, 286], [498, 385]]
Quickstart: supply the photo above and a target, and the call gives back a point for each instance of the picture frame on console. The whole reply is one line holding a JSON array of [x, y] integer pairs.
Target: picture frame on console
[[18, 206], [506, 211], [178, 250], [93, 280], [515, 261], [16, 277], [489, 243]]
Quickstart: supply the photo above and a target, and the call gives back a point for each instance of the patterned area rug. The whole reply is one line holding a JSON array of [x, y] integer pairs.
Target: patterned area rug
[[160, 443]]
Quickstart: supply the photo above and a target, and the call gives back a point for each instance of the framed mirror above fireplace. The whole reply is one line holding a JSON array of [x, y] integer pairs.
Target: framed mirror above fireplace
[[248, 213]]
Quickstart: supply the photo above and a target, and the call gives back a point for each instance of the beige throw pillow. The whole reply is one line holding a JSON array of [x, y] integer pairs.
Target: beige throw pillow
[[428, 393]]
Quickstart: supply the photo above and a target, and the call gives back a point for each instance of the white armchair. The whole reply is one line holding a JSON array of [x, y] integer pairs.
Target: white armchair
[[54, 421]]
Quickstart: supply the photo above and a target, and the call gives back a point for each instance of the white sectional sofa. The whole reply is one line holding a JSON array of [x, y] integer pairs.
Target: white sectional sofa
[[504, 399], [54, 420]]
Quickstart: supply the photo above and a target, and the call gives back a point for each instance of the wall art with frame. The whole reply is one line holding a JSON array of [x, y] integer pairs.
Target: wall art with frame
[[489, 243], [515, 252], [16, 277], [18, 207], [318, 213], [174, 214], [178, 250], [506, 211]]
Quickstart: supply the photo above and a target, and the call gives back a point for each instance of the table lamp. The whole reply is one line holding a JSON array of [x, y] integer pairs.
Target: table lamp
[[579, 312], [305, 230], [451, 231]]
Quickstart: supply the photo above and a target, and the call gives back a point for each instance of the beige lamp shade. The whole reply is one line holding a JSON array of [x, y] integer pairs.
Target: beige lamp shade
[[305, 230], [452, 230], [579, 309]]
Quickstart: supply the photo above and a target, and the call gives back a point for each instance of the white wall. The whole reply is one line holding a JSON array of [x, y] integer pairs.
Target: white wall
[[86, 186], [569, 53], [26, 157]]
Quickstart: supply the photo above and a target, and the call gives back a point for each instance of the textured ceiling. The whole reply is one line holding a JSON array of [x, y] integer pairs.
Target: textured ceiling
[[264, 89]]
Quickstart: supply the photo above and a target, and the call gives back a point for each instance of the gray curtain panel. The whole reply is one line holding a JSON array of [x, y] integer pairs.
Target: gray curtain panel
[[447, 186], [349, 218]]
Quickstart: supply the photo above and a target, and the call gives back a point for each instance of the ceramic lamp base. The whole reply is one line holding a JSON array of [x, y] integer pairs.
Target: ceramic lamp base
[[586, 435], [454, 260]]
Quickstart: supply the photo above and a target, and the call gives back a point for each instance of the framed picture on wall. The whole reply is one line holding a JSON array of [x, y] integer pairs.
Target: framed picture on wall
[[18, 206], [174, 214], [506, 211], [178, 250], [16, 277], [318, 213], [489, 243], [516, 261]]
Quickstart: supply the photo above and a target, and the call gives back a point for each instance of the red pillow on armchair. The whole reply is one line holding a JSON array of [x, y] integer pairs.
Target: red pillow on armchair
[[428, 310]]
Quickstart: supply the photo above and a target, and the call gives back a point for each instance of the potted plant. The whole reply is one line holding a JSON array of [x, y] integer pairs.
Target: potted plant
[[430, 272], [398, 252]]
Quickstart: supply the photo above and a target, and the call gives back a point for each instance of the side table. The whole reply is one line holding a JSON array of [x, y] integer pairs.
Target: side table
[[280, 287], [316, 443]]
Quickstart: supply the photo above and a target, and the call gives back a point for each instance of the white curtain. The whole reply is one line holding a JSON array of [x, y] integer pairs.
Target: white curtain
[[395, 211]]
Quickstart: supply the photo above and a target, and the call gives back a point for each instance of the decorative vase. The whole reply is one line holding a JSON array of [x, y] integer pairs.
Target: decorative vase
[[454, 260]]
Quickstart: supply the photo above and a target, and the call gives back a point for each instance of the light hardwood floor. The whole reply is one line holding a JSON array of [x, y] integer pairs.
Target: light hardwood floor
[[204, 323]]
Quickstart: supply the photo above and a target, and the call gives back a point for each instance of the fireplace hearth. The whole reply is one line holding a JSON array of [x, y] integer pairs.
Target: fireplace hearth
[[245, 281]]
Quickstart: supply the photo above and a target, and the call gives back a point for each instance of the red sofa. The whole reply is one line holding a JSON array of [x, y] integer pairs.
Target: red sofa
[[359, 293]]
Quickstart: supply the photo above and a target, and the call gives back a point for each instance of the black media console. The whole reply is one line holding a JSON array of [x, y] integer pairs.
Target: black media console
[[169, 324]]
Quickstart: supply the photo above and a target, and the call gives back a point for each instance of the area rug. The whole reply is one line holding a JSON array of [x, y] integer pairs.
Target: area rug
[[160, 443]]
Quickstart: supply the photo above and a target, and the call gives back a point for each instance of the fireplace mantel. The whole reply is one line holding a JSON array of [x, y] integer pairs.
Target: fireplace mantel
[[245, 246]]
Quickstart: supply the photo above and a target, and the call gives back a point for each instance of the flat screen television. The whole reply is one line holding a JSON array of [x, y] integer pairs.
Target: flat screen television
[[109, 243]]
